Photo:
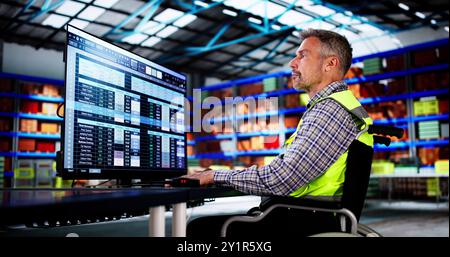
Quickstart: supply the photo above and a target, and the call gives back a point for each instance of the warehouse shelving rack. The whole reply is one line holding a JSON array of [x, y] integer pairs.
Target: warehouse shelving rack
[[15, 134]]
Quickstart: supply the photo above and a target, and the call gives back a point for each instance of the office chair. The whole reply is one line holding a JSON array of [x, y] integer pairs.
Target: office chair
[[348, 206]]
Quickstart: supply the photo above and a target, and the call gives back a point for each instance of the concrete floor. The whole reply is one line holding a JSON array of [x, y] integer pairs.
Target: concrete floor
[[391, 219], [407, 219]]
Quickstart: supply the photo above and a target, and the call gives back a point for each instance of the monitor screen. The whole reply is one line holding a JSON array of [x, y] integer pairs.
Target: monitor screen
[[124, 115]]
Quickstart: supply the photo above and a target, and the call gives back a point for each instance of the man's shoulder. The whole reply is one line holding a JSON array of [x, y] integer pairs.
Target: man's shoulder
[[328, 110], [329, 104]]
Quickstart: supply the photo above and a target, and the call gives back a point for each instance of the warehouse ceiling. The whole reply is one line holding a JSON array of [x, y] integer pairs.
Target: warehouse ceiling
[[218, 38]]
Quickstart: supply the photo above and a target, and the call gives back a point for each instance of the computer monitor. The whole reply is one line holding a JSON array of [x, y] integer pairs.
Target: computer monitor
[[123, 114]]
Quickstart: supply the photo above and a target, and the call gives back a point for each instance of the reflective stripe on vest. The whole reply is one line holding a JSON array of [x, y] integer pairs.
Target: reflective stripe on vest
[[331, 182]]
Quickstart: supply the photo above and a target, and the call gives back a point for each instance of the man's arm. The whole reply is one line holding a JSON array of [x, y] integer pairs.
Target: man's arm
[[327, 132]]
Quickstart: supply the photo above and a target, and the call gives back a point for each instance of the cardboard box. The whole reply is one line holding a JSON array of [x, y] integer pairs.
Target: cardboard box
[[27, 145], [426, 107], [49, 108], [243, 145], [50, 90], [31, 88], [30, 106], [428, 156], [45, 146], [292, 100], [291, 122], [28, 125], [270, 84], [382, 167], [441, 167]]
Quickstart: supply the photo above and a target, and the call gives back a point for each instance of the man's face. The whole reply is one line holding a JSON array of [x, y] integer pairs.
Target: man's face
[[307, 65]]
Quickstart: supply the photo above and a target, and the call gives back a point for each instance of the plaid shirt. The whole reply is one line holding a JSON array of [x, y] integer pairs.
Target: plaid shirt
[[325, 134]]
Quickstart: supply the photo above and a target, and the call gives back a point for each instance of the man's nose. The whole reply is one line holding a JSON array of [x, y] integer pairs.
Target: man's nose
[[292, 63]]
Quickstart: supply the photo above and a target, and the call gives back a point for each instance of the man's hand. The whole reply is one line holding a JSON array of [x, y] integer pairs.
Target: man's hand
[[206, 177]]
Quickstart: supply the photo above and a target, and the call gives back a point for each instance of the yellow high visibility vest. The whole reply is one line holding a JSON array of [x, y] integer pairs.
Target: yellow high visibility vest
[[331, 182]]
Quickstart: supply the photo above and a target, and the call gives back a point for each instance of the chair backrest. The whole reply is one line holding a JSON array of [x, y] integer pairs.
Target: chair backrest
[[357, 175]]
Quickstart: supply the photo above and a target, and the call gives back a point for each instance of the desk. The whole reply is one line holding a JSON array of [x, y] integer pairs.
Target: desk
[[22, 206]]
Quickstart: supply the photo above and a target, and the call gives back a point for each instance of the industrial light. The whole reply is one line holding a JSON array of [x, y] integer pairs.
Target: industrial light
[[105, 3], [254, 20], [151, 41], [185, 20], [446, 28], [292, 18], [239, 4], [316, 24], [55, 20], [91, 13], [420, 15], [152, 27], [433, 21], [266, 9], [276, 27], [169, 30], [70, 8], [79, 23], [135, 38], [320, 10], [403, 6], [229, 12], [299, 2], [168, 15], [343, 19], [200, 3]]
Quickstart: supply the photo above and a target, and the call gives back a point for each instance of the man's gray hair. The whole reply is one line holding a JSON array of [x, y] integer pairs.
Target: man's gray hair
[[332, 44]]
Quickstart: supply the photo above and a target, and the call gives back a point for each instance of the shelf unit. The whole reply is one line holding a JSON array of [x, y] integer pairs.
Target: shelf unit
[[408, 72], [29, 121]]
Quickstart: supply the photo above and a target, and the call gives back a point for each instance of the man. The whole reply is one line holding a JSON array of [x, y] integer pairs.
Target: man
[[318, 146]]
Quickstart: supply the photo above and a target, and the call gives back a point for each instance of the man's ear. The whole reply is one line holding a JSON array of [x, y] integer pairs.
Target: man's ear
[[331, 63]]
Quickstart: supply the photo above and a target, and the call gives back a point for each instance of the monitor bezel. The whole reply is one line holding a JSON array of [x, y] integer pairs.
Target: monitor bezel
[[151, 174]]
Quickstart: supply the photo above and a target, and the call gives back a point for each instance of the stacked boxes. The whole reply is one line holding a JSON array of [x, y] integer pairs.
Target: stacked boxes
[[50, 128], [28, 125], [27, 145], [382, 167], [428, 129], [270, 84], [29, 106], [291, 100], [372, 66], [45, 146], [32, 173], [441, 167], [24, 174], [428, 155], [49, 108], [50, 90], [44, 173], [250, 89], [426, 106]]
